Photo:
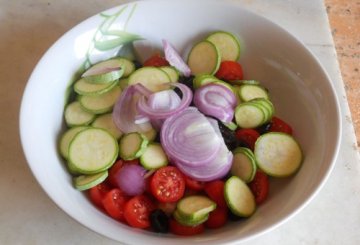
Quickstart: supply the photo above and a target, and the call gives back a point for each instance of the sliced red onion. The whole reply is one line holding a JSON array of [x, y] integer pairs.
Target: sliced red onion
[[216, 100], [162, 105], [131, 179], [173, 57], [188, 137], [215, 169], [164, 100], [125, 114]]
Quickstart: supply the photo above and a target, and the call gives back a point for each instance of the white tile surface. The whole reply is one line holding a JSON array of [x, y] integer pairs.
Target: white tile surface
[[28, 216]]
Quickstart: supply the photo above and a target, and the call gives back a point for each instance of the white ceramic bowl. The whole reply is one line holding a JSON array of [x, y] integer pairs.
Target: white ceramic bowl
[[300, 89]]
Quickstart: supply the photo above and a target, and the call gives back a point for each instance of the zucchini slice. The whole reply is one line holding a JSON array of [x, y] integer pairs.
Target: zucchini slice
[[83, 87], [189, 222], [123, 83], [66, 138], [278, 154], [249, 92], [227, 43], [150, 135], [244, 164], [85, 182], [172, 73], [249, 115], [193, 209], [105, 121], [153, 157], [102, 103], [239, 197], [153, 78], [132, 145], [75, 115], [126, 67], [92, 150], [204, 58]]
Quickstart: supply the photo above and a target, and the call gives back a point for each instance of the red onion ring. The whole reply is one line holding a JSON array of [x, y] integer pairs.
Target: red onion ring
[[216, 100], [215, 169], [188, 137], [146, 108], [173, 57], [125, 113]]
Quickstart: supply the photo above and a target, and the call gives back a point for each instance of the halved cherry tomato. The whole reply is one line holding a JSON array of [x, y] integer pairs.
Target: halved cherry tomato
[[98, 192], [167, 184], [260, 187], [114, 203], [137, 211], [229, 70], [156, 60], [215, 190], [114, 171], [278, 125], [194, 184], [247, 136], [217, 218], [183, 230]]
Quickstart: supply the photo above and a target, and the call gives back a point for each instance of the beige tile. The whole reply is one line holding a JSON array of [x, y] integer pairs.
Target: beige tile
[[344, 19]]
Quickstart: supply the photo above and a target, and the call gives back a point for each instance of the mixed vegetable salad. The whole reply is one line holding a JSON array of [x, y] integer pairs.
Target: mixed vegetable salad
[[175, 146]]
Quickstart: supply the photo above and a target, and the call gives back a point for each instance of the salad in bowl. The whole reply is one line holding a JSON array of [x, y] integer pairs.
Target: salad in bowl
[[160, 135]]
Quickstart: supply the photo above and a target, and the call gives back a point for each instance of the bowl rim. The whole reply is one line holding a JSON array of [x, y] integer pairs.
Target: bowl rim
[[276, 224]]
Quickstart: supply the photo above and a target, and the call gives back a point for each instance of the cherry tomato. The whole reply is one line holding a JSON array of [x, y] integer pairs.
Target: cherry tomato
[[98, 192], [217, 218], [247, 136], [215, 190], [230, 71], [167, 184], [194, 184], [134, 161], [260, 187], [183, 230], [114, 203], [168, 207], [156, 60], [278, 125], [137, 211], [114, 171]]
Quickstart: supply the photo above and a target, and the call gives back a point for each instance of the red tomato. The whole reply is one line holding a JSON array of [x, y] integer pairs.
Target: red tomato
[[194, 184], [260, 187], [168, 207], [134, 161], [278, 125], [215, 190], [167, 184], [217, 218], [229, 70], [156, 60], [114, 171], [183, 230], [98, 192], [247, 136], [137, 211], [114, 203]]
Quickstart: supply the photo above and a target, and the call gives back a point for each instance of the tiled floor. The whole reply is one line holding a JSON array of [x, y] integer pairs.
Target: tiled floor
[[344, 16]]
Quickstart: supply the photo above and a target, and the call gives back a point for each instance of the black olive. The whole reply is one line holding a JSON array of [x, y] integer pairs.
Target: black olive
[[264, 128], [137, 64], [188, 81], [159, 221], [234, 217], [229, 136]]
